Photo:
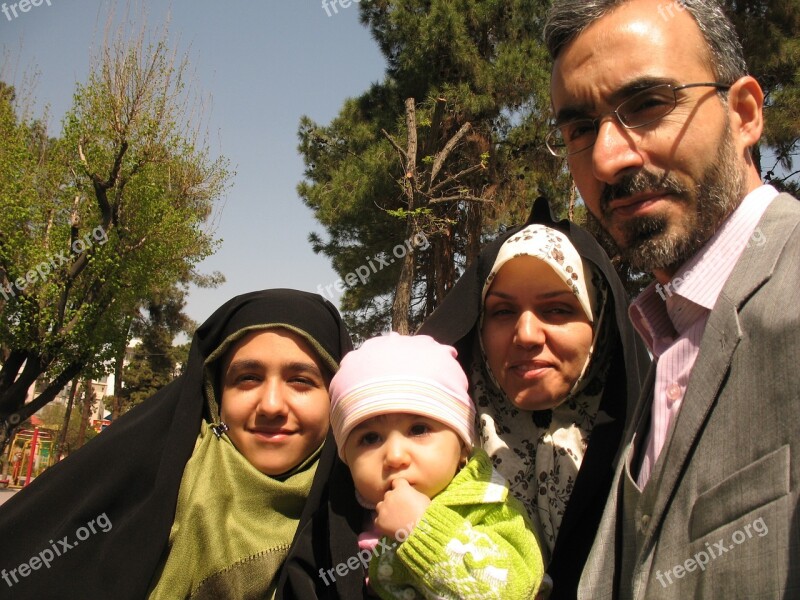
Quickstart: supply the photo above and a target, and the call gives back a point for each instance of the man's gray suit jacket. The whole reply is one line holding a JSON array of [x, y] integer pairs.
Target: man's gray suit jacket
[[719, 516]]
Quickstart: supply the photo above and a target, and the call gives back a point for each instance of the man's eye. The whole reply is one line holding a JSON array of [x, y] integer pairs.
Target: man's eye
[[577, 130], [644, 106]]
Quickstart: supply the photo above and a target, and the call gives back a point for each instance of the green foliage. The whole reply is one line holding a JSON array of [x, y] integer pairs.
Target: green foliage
[[53, 417], [480, 64], [156, 361], [402, 213], [770, 33], [111, 212]]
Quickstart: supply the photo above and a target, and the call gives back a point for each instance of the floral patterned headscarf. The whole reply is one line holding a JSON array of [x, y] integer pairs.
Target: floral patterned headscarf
[[540, 452]]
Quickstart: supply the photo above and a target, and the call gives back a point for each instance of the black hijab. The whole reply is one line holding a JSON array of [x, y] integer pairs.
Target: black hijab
[[456, 322], [131, 473]]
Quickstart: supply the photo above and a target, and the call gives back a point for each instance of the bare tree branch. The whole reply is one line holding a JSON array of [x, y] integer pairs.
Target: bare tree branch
[[448, 148]]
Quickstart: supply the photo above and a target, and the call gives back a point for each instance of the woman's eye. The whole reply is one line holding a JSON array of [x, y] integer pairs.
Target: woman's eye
[[499, 311]]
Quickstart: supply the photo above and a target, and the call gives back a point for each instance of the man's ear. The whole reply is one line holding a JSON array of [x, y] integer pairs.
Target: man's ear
[[746, 103]]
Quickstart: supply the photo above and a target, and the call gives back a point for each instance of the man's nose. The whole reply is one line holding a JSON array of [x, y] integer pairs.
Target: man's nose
[[616, 151]]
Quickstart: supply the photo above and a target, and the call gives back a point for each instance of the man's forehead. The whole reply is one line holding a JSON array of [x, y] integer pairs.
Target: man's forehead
[[628, 45]]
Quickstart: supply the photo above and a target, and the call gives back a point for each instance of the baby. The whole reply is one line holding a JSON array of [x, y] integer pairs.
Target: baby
[[444, 524]]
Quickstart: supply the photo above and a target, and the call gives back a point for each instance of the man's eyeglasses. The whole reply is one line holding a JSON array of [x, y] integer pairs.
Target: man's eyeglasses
[[640, 109]]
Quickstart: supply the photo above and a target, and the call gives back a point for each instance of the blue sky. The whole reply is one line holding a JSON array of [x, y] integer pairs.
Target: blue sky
[[264, 64]]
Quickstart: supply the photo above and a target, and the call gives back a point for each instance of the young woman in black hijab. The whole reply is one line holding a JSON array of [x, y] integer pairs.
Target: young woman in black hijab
[[551, 408], [197, 492]]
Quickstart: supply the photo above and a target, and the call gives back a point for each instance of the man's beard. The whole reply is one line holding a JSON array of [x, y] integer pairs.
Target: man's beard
[[648, 242]]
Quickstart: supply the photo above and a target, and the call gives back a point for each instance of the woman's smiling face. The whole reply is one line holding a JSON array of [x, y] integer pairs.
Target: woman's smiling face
[[535, 334], [274, 399]]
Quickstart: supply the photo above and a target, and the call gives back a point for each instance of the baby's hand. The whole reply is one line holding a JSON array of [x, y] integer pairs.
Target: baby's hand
[[401, 508]]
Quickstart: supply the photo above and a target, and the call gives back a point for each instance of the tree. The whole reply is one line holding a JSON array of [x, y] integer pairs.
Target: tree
[[53, 417], [93, 222], [481, 65], [477, 77], [770, 34], [156, 361]]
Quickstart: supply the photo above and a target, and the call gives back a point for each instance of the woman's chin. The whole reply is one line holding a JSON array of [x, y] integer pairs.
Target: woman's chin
[[530, 400]]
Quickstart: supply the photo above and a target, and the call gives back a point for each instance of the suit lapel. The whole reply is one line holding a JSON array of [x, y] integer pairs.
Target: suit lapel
[[720, 339], [600, 578]]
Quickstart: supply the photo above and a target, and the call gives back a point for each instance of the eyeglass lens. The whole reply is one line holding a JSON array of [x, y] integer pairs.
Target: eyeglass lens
[[640, 109]]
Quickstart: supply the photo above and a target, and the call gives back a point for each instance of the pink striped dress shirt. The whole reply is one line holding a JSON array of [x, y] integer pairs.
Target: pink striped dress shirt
[[671, 318]]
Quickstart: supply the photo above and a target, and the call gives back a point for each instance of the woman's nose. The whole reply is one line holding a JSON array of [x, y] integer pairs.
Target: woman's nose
[[272, 401], [529, 331]]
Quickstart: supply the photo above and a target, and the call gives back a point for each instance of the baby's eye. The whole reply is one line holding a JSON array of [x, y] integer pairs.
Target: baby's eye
[[419, 429], [369, 438]]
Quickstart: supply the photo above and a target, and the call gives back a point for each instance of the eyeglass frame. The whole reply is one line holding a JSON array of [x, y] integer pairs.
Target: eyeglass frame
[[721, 87]]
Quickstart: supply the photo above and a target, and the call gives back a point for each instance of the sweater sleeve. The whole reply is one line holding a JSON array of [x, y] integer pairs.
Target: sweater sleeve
[[466, 551]]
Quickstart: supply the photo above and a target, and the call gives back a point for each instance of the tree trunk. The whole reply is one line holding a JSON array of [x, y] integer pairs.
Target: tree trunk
[[401, 305], [573, 194], [474, 224], [13, 398], [116, 408], [62, 436], [88, 401]]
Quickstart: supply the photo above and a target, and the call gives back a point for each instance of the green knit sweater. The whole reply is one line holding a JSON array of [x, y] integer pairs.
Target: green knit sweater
[[474, 541]]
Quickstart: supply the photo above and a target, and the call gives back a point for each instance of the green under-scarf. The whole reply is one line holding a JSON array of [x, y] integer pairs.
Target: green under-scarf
[[233, 524]]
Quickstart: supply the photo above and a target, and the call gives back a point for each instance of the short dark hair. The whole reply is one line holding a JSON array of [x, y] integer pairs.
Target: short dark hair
[[568, 18]]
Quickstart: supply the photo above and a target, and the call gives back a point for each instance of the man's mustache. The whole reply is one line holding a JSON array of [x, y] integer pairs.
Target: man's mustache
[[637, 183]]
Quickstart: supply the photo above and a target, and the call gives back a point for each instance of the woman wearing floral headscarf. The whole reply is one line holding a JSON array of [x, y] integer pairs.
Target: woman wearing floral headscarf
[[540, 324]]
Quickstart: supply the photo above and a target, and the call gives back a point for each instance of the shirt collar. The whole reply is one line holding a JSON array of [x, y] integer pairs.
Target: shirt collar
[[661, 312]]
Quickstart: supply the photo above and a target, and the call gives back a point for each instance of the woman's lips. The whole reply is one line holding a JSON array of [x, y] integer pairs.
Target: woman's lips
[[272, 435], [530, 369]]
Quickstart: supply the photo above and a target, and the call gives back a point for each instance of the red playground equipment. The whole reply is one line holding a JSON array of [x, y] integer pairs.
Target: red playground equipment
[[30, 453]]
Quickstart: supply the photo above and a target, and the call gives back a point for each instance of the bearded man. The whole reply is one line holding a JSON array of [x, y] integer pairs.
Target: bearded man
[[656, 116]]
